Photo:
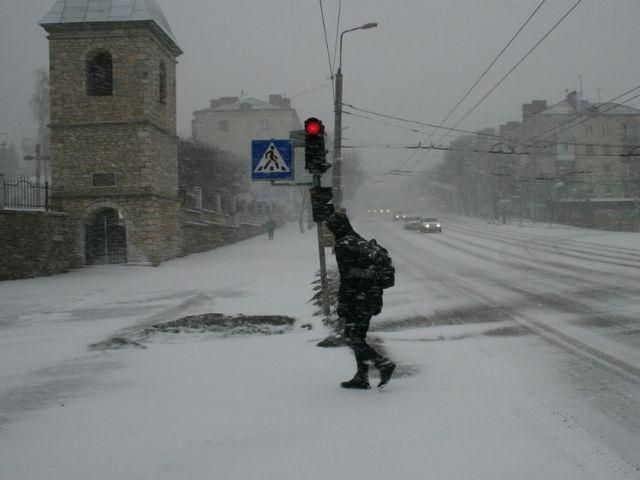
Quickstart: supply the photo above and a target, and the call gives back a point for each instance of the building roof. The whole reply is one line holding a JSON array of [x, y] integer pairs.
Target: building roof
[[609, 108], [563, 108], [99, 11], [244, 104]]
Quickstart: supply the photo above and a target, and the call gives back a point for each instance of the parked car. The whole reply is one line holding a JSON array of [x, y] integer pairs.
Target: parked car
[[412, 222], [430, 225]]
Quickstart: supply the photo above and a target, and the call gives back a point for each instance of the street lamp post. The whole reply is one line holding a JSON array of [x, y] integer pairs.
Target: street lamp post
[[337, 134]]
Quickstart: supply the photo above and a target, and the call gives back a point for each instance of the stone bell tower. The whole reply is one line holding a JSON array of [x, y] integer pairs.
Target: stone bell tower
[[113, 128]]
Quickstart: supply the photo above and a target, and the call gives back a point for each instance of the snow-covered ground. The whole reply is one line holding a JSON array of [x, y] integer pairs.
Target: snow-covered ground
[[465, 404]]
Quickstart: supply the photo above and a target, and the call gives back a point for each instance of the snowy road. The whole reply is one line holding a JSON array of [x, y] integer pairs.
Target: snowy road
[[568, 286], [577, 290], [518, 350]]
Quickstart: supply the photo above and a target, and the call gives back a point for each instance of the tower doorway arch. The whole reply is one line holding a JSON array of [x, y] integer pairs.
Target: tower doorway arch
[[105, 238]]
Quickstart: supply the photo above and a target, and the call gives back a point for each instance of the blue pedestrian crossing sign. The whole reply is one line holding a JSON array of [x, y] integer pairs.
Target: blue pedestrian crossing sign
[[271, 160]]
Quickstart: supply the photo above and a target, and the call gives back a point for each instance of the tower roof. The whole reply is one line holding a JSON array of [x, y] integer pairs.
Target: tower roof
[[101, 11]]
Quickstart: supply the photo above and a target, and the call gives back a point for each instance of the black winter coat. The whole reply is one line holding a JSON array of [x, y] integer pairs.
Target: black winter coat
[[359, 294]]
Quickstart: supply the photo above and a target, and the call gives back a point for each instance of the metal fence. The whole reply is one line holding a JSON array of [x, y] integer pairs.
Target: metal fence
[[23, 194]]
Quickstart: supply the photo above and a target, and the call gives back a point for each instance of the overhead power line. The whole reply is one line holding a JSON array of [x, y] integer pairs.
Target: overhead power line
[[560, 128], [601, 112], [531, 50], [416, 122], [483, 74], [324, 85], [486, 70], [498, 151], [505, 142], [326, 42]]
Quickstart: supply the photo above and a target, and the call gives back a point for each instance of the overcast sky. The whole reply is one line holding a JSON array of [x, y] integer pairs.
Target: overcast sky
[[417, 64]]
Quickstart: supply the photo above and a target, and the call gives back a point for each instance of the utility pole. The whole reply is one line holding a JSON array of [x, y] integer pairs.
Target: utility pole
[[337, 141], [337, 130]]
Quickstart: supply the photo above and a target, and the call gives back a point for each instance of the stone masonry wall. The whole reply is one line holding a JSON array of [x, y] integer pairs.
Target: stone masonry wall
[[136, 53], [141, 158], [35, 244], [205, 231], [117, 151]]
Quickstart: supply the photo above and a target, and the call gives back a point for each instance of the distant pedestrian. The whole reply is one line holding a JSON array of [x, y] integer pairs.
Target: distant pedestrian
[[359, 299], [271, 226]]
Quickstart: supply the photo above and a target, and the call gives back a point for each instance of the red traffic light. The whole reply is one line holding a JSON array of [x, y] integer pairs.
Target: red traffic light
[[313, 126]]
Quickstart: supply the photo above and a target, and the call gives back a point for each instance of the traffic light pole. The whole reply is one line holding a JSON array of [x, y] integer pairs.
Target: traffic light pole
[[324, 284], [315, 162]]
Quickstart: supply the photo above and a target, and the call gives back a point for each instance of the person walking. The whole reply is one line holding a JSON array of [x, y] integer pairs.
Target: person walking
[[359, 299], [271, 226]]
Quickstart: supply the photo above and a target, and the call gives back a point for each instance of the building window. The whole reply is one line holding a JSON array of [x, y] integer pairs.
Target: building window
[[264, 124], [607, 168], [223, 125], [631, 133], [163, 83], [99, 74], [104, 179], [605, 128], [589, 128], [589, 149]]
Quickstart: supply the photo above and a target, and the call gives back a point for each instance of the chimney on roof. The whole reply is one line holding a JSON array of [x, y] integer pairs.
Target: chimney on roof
[[572, 98], [279, 101], [218, 102], [533, 108]]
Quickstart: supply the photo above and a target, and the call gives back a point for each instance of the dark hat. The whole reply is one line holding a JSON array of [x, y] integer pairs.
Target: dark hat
[[339, 224]]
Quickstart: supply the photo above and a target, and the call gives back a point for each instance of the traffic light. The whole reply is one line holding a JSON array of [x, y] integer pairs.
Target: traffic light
[[321, 208], [315, 155]]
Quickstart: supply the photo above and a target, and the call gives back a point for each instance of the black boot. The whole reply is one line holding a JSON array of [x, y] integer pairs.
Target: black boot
[[358, 382], [386, 370]]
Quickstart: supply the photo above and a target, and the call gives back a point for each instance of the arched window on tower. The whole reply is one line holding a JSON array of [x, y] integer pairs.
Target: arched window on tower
[[99, 74], [163, 83]]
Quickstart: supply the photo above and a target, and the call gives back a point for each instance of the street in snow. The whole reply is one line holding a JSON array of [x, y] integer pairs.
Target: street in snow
[[518, 353]]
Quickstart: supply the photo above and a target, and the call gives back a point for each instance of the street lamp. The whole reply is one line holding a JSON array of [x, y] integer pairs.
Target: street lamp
[[337, 140]]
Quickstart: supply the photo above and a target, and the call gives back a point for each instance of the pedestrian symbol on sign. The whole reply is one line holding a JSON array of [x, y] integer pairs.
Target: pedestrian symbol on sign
[[271, 161]]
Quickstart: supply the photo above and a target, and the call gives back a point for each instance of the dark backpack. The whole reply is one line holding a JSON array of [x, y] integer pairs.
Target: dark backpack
[[382, 264]]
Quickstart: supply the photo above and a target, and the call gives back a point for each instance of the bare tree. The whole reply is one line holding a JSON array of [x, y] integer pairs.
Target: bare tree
[[41, 109]]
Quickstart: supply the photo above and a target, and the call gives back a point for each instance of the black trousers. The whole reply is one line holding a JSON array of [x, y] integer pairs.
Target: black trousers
[[355, 334]]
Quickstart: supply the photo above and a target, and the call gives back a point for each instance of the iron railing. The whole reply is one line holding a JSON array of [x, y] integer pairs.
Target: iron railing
[[23, 194]]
